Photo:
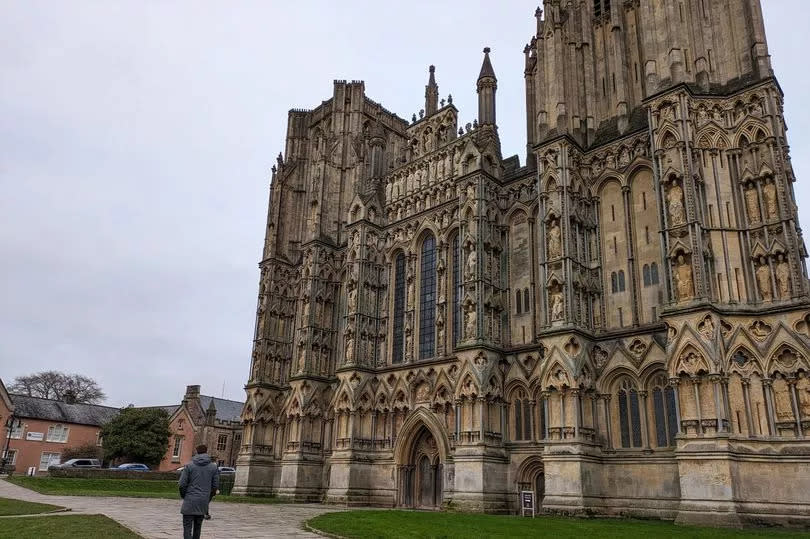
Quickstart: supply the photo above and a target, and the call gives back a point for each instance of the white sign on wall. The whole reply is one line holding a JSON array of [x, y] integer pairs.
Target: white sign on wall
[[34, 436]]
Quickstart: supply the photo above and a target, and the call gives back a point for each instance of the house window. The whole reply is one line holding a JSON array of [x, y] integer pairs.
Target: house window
[[178, 446], [10, 456], [99, 440], [222, 442], [427, 300], [237, 439], [48, 459], [399, 307], [57, 433], [17, 429]]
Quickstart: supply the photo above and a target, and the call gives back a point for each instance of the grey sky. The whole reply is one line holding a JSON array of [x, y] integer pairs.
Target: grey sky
[[136, 143]]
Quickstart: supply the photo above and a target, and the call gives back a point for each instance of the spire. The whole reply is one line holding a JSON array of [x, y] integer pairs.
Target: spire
[[486, 67], [487, 84], [431, 94]]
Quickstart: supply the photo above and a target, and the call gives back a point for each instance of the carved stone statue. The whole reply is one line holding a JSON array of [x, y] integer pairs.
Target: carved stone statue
[[557, 306], [769, 193], [349, 348], [782, 277], [752, 203], [683, 279], [470, 324], [469, 266], [677, 213], [353, 299], [554, 240], [763, 275]]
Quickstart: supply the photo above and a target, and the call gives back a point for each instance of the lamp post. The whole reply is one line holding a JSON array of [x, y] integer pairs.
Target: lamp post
[[11, 423]]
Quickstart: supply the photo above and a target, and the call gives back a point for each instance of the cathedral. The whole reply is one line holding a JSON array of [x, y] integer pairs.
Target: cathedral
[[621, 324]]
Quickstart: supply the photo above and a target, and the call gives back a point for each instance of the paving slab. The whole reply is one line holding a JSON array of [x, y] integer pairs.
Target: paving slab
[[158, 518]]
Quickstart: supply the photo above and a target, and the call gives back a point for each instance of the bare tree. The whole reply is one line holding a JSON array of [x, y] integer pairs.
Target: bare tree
[[71, 388]]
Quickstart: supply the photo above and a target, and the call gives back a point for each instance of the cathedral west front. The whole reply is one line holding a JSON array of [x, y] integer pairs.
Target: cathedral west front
[[620, 324]]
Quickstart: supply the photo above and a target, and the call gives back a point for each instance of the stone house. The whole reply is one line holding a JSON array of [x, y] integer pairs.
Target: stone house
[[202, 419]]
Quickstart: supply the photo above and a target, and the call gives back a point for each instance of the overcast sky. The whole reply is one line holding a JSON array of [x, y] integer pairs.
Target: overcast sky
[[137, 139]]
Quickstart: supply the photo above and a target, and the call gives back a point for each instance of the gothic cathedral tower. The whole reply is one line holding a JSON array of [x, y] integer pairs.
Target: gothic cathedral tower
[[621, 325]]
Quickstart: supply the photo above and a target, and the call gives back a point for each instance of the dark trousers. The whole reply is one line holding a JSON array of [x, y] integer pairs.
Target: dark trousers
[[192, 526]]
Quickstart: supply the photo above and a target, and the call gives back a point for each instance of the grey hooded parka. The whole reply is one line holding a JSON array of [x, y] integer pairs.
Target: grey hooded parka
[[199, 480]]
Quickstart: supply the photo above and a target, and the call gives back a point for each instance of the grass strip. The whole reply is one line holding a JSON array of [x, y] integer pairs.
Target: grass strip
[[417, 524], [10, 506], [65, 527]]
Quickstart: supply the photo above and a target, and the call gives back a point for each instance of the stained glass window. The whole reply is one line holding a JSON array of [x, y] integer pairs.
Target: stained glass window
[[399, 307], [427, 300], [456, 292]]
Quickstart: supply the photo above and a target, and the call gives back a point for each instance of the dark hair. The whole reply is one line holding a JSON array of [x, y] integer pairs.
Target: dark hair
[[202, 448]]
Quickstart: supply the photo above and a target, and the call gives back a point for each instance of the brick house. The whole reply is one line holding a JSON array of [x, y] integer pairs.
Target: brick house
[[202, 419], [46, 428]]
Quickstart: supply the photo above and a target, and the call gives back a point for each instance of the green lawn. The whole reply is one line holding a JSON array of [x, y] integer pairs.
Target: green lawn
[[413, 524], [65, 527], [9, 506], [133, 488]]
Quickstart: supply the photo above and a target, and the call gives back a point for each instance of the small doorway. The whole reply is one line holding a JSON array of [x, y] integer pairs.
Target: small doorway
[[420, 479]]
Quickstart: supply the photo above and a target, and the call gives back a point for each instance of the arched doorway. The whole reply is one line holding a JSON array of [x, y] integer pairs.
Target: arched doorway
[[420, 475], [531, 476]]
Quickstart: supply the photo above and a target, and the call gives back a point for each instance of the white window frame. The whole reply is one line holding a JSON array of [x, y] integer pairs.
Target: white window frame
[[17, 430], [12, 460], [53, 460], [178, 447], [58, 433]]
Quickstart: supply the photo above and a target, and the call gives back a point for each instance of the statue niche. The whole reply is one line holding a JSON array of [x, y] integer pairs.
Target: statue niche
[[771, 206], [554, 239], [752, 203], [782, 277], [684, 282], [675, 206], [763, 276]]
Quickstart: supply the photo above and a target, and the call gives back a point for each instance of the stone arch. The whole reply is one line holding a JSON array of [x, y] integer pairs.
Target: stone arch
[[531, 473], [421, 450]]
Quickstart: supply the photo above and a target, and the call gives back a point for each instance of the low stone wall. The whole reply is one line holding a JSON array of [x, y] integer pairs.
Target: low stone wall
[[107, 473]]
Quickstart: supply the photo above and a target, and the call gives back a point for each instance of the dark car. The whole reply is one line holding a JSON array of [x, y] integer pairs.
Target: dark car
[[80, 463], [132, 467]]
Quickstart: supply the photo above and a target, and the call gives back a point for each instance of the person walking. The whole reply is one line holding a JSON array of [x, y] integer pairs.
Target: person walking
[[199, 482]]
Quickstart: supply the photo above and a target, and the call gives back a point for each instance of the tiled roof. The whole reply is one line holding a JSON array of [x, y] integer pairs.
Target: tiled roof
[[62, 412], [227, 410]]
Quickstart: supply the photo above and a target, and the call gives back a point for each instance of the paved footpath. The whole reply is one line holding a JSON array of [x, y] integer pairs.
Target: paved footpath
[[160, 518]]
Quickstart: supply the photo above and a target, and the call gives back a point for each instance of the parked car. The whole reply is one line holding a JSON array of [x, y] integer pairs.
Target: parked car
[[132, 467], [227, 470], [80, 463]]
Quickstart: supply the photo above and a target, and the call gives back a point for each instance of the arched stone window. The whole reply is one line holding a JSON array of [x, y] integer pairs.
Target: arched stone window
[[666, 416], [614, 283], [654, 273], [427, 299], [457, 291], [526, 302], [629, 414], [621, 281], [522, 416], [517, 301], [646, 273], [398, 345]]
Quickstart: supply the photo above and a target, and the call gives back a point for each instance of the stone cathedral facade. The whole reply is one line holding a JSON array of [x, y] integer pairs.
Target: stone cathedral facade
[[622, 324]]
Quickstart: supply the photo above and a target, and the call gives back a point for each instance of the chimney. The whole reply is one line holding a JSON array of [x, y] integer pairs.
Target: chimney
[[192, 393]]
